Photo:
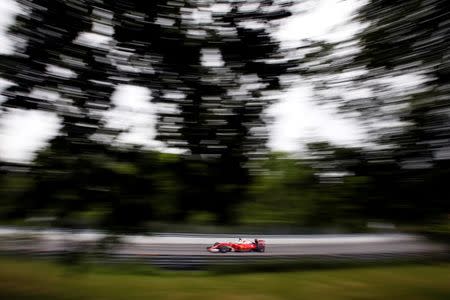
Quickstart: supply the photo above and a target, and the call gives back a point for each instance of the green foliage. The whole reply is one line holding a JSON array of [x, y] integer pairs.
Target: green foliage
[[283, 194], [25, 280]]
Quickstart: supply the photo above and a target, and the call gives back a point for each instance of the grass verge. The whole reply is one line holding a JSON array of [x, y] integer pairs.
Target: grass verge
[[38, 280]]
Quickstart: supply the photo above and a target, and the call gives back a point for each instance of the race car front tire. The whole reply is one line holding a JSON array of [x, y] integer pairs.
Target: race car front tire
[[224, 249]]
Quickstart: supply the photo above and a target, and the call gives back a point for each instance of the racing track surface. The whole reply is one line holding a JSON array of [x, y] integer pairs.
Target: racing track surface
[[281, 249], [187, 251]]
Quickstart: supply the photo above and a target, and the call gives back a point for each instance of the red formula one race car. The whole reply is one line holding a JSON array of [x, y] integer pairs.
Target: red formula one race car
[[240, 246]]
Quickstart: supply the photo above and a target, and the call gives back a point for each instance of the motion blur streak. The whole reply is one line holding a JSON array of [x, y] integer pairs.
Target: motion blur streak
[[146, 127], [188, 251]]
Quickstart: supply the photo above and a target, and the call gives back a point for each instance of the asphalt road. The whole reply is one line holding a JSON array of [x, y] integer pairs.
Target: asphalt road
[[55, 241], [287, 249]]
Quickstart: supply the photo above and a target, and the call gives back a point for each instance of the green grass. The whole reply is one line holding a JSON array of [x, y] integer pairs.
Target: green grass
[[43, 280]]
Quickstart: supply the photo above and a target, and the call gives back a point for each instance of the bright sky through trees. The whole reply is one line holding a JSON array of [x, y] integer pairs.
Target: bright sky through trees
[[297, 118]]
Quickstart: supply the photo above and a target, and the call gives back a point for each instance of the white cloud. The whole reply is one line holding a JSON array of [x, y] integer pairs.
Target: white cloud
[[3, 85], [135, 113], [211, 58], [22, 133], [298, 120], [8, 11], [321, 21]]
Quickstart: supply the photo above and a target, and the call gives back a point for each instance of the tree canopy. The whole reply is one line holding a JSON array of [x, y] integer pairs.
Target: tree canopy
[[213, 68]]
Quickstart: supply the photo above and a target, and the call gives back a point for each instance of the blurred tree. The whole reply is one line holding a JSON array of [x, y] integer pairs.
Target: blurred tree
[[413, 37], [216, 66], [394, 75], [52, 59], [345, 185], [55, 68], [329, 189], [115, 189], [283, 194]]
